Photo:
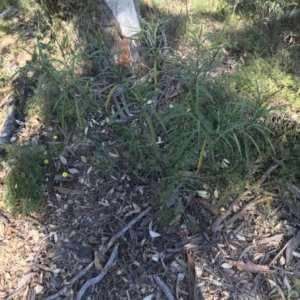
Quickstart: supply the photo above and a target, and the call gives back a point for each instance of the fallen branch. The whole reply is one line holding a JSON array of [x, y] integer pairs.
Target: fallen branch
[[98, 278], [267, 174], [68, 284], [280, 252], [164, 287]]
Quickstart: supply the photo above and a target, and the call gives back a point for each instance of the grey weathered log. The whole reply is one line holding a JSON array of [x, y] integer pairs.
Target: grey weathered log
[[98, 278]]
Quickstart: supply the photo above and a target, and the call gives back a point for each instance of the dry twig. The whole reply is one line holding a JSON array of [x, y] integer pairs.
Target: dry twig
[[164, 287], [267, 174], [68, 284], [98, 278]]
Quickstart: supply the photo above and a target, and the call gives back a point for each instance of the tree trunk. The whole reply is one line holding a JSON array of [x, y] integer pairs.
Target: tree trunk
[[120, 21]]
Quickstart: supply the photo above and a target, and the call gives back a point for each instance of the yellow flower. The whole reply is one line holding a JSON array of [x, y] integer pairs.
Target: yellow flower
[[64, 174], [46, 161], [55, 137]]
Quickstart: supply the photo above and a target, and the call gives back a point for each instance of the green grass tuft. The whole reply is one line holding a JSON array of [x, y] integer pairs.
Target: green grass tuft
[[24, 183]]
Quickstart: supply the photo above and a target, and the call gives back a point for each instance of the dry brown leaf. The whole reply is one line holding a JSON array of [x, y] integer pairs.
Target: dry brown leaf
[[249, 267], [293, 244], [208, 205], [136, 210], [275, 239], [97, 264]]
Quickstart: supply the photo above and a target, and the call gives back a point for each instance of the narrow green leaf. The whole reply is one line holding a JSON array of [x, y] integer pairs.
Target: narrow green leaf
[[152, 130], [201, 156], [109, 96]]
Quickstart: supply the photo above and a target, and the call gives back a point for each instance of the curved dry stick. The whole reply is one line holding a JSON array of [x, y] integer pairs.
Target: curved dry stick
[[70, 283], [164, 287], [98, 278], [267, 174]]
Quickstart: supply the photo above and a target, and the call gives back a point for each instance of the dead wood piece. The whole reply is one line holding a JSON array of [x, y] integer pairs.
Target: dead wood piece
[[280, 252], [121, 232], [164, 287], [98, 278], [191, 275], [9, 123], [68, 284], [267, 174], [249, 267]]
